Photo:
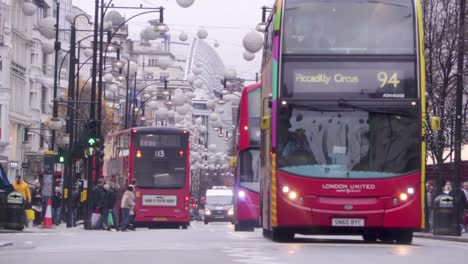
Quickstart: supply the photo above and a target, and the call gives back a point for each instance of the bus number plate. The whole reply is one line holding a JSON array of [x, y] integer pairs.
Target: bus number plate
[[347, 222], [159, 200]]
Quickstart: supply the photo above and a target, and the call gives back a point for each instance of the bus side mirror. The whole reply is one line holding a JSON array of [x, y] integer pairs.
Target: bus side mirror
[[435, 123], [266, 123], [233, 162]]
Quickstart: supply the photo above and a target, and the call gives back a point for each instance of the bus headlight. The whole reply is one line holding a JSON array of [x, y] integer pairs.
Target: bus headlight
[[292, 195], [410, 190], [207, 212], [403, 196], [285, 189], [231, 211], [241, 194]]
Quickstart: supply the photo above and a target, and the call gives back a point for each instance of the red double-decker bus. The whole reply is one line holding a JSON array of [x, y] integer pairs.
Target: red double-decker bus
[[247, 178], [156, 161], [343, 119]]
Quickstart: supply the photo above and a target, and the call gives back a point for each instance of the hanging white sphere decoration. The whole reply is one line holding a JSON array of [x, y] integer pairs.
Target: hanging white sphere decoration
[[88, 53], [109, 94], [47, 27], [108, 77], [121, 101], [153, 104], [191, 77], [183, 36], [197, 71], [198, 121], [203, 129], [29, 9], [149, 34], [212, 148], [179, 99], [178, 91], [228, 97], [202, 33], [133, 68], [214, 117], [113, 87], [216, 44], [164, 62], [253, 41], [190, 95], [185, 3], [147, 96], [161, 113], [171, 114], [198, 83], [248, 56], [230, 73], [210, 104], [183, 110], [48, 46], [220, 110]]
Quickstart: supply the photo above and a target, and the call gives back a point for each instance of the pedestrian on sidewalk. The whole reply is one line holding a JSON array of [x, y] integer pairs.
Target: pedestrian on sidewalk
[[102, 207], [111, 199], [430, 195], [75, 202], [56, 206], [128, 205], [22, 187]]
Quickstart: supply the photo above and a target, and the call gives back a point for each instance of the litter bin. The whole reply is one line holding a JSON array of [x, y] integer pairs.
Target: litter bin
[[445, 216], [3, 208], [15, 211]]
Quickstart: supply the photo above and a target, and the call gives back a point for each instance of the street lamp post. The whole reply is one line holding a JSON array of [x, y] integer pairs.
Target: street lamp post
[[71, 114], [459, 114], [57, 49]]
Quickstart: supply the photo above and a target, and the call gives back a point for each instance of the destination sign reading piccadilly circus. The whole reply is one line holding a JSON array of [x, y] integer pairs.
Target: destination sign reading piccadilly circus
[[384, 80], [325, 79]]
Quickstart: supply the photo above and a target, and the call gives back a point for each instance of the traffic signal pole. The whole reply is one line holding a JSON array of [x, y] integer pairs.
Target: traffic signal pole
[[89, 185]]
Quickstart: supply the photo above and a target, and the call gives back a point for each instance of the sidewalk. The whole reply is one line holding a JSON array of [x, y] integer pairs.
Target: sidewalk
[[54, 229], [462, 238]]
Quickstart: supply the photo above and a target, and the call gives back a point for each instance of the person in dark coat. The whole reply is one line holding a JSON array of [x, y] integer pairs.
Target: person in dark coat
[[111, 199], [75, 203], [56, 206], [101, 205]]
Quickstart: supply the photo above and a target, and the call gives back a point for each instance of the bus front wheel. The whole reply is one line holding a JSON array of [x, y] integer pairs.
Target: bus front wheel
[[404, 237], [279, 235], [370, 237]]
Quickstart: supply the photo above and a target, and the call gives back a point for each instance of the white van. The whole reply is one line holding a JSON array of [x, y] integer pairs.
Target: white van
[[219, 205]]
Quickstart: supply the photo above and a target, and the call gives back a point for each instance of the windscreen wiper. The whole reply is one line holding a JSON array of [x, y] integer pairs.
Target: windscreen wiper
[[344, 103]]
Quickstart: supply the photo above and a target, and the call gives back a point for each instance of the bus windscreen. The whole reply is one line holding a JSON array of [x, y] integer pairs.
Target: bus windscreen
[[348, 142], [160, 161], [349, 27]]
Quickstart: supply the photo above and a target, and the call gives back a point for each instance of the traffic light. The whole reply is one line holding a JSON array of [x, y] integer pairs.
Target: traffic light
[[91, 140], [61, 155]]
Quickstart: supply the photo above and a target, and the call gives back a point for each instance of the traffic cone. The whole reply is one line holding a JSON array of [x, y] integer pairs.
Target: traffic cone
[[48, 216]]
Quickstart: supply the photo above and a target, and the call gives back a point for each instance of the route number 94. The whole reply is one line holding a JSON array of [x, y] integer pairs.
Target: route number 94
[[388, 79]]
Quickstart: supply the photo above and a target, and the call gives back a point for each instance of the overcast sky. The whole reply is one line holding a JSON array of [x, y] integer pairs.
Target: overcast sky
[[227, 21]]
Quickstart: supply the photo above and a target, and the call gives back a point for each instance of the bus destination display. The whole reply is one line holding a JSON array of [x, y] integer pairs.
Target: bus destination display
[[378, 82]]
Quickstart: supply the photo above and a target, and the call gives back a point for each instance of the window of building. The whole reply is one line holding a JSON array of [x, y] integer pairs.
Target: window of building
[[44, 99]]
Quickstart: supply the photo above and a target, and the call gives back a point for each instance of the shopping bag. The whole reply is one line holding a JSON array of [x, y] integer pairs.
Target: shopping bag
[[110, 220], [30, 214], [95, 218]]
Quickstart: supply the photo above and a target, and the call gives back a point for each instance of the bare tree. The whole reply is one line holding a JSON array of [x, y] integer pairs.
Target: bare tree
[[441, 24], [441, 27]]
